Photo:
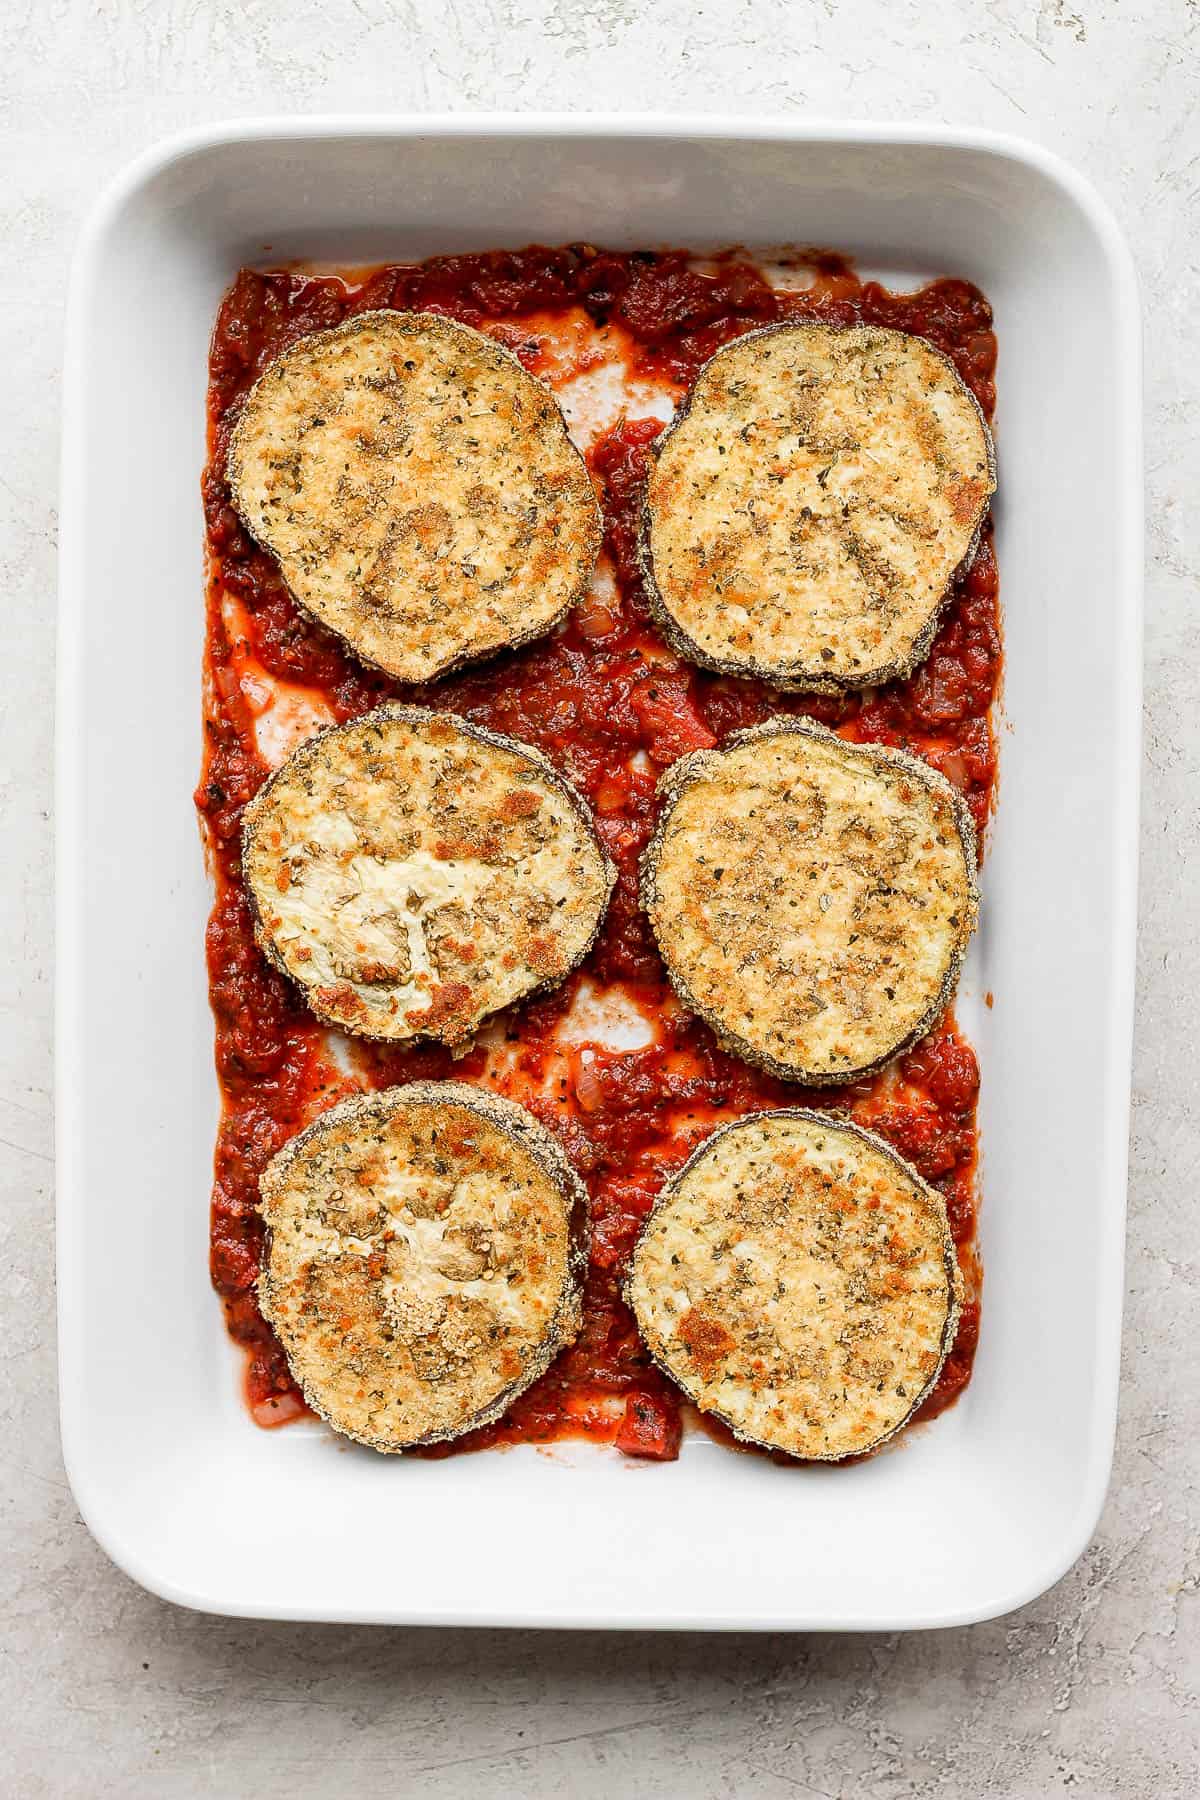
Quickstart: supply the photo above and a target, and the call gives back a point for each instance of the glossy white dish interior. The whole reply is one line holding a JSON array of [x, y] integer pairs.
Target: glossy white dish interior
[[966, 1518]]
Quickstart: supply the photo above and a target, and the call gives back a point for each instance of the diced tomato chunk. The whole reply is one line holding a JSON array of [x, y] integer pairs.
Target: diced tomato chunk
[[669, 719], [946, 1067], [651, 1427]]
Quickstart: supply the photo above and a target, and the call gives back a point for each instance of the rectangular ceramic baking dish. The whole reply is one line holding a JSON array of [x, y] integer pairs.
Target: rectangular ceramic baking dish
[[967, 1518]]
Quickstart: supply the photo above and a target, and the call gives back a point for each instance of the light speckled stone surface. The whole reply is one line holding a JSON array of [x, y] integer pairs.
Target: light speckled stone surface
[[1094, 1690]]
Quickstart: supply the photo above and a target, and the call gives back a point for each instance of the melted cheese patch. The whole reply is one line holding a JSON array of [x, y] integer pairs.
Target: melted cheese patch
[[284, 713], [610, 1018], [594, 401], [287, 720]]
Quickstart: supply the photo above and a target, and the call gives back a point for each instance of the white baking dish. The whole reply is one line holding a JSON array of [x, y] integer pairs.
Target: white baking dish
[[966, 1518]]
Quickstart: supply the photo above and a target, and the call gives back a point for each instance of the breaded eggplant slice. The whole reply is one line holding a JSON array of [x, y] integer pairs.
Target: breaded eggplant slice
[[807, 509], [412, 872], [812, 899], [799, 1281], [419, 489], [423, 1263]]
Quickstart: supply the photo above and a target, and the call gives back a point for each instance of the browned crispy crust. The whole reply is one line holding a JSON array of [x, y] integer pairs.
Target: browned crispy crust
[[816, 673], [340, 1364], [419, 489], [708, 1335], [696, 768], [538, 960]]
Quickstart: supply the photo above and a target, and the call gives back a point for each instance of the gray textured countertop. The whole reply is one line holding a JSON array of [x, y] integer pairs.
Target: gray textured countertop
[[1094, 1690]]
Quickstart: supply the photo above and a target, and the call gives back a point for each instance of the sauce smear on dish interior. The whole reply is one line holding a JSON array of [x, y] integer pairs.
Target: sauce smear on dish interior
[[611, 1062]]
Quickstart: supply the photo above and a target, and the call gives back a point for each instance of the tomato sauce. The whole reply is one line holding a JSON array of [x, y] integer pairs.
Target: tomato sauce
[[613, 707]]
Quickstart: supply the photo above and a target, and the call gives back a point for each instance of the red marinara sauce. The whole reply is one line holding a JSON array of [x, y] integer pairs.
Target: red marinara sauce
[[592, 697]]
